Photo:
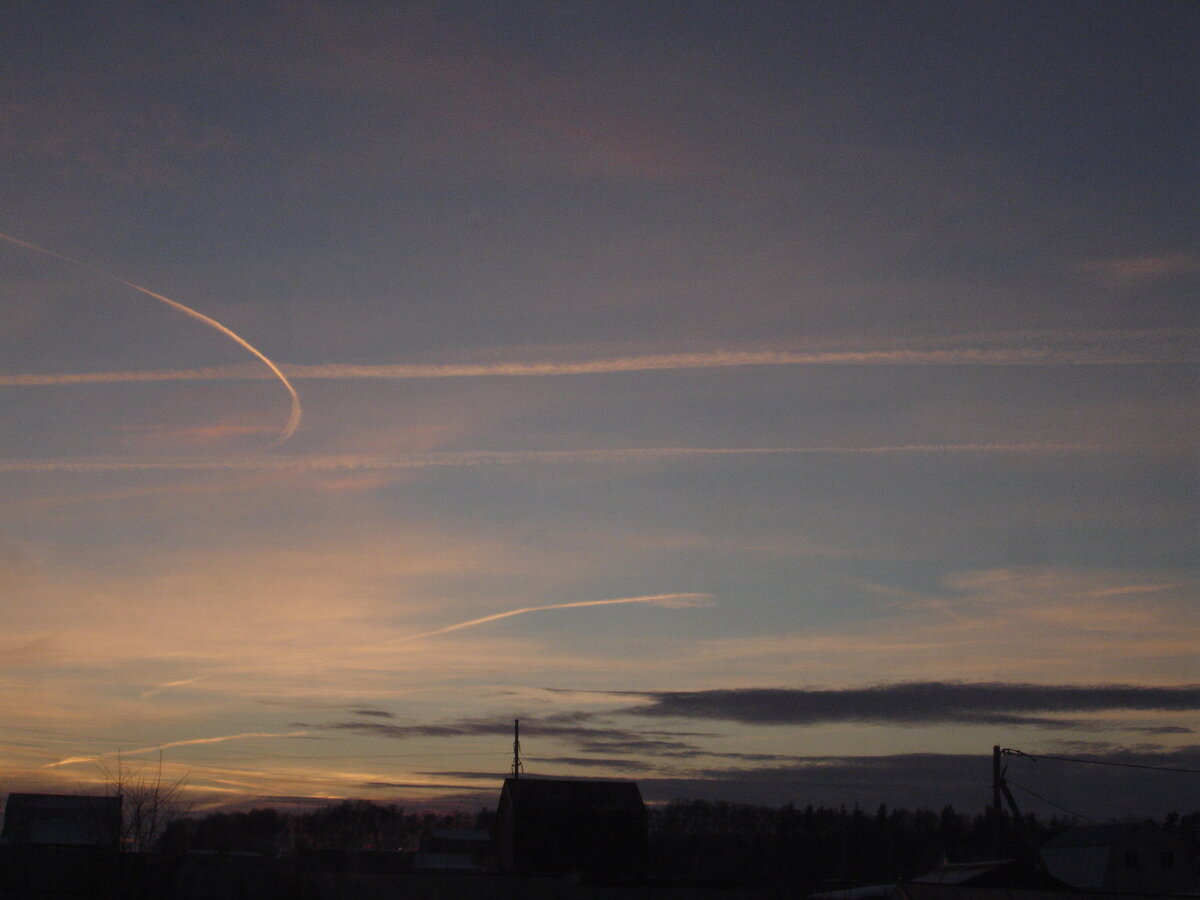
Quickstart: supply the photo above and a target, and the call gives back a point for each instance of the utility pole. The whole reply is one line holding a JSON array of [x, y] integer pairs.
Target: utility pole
[[1000, 787], [996, 811], [517, 766]]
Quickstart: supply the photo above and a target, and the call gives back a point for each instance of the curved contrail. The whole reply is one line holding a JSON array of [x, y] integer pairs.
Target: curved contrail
[[294, 417]]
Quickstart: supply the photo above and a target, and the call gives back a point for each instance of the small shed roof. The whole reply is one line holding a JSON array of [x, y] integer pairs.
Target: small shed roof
[[65, 820], [964, 873]]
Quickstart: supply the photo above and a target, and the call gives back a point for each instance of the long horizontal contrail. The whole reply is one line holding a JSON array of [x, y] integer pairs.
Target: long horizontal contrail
[[675, 600], [717, 359], [73, 760], [296, 413], [662, 362], [471, 458]]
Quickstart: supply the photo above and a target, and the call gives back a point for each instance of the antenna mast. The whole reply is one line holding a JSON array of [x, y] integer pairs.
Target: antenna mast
[[517, 766]]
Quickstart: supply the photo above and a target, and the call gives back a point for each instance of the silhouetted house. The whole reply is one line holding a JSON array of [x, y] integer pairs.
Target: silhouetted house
[[1136, 857], [593, 828], [993, 879], [62, 820], [993, 873], [1022, 878]]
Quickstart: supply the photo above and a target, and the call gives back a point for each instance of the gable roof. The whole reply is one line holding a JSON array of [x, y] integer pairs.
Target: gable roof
[[562, 794]]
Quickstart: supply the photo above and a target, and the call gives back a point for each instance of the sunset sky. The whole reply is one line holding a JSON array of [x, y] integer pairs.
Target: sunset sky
[[778, 402]]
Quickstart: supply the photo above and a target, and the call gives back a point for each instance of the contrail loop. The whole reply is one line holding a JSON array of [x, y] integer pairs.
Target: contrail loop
[[296, 413]]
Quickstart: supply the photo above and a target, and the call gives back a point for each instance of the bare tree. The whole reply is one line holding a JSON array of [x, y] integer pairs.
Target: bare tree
[[148, 804]]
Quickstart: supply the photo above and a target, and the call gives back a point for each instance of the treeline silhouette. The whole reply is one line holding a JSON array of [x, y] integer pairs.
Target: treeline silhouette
[[690, 840], [826, 847], [821, 847], [343, 826]]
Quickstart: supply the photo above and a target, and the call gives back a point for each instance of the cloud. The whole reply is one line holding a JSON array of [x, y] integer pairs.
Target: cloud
[[1159, 729], [918, 703], [591, 733], [593, 762], [1127, 271], [1104, 626], [460, 728], [613, 742], [162, 436], [148, 143], [1089, 787], [27, 652], [473, 458], [487, 95]]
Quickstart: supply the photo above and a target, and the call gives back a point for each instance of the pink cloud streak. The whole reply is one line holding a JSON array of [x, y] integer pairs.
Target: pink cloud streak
[[456, 459]]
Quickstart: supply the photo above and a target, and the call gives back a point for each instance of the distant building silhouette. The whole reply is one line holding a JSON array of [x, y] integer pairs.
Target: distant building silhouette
[[593, 828], [453, 849], [60, 845], [1135, 857], [62, 820]]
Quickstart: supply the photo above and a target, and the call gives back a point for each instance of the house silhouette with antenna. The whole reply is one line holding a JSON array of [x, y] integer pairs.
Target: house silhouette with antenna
[[590, 828]]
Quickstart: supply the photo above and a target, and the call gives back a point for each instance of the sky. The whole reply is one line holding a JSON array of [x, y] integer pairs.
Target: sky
[[768, 402]]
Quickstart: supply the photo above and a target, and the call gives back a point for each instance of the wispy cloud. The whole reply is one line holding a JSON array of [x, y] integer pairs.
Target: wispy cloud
[[984, 625], [488, 93], [150, 437], [148, 143], [1125, 271], [25, 652], [589, 732]]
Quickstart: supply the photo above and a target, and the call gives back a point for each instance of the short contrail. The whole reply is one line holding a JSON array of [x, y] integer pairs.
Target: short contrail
[[654, 599], [293, 421], [158, 689]]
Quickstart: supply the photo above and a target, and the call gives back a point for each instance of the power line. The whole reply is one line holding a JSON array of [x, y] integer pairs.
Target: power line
[[1099, 762], [1069, 812]]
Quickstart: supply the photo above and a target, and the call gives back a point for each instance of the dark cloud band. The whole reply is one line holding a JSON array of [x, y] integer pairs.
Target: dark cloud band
[[918, 703]]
